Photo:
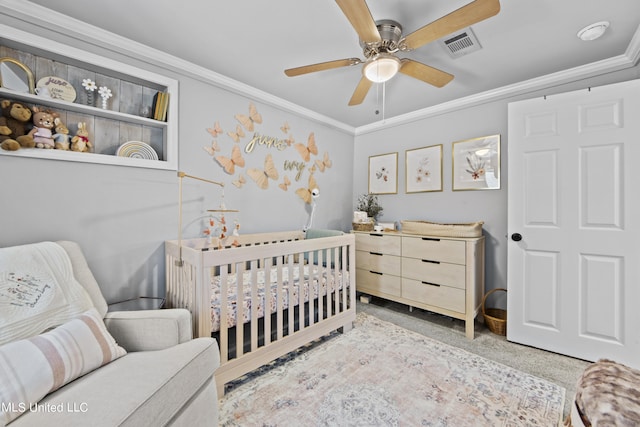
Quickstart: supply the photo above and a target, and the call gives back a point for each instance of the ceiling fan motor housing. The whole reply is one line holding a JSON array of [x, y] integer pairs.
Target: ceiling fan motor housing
[[390, 33]]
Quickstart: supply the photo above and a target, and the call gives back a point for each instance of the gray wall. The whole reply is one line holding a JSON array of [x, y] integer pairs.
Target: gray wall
[[448, 206], [121, 215]]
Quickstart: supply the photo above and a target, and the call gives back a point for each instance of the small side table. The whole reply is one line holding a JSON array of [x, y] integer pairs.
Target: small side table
[[140, 303]]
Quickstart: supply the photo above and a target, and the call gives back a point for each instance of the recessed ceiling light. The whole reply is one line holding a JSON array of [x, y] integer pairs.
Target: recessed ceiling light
[[593, 31]]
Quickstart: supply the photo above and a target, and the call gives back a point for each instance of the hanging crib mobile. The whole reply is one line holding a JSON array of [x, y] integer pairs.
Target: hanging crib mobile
[[217, 227]]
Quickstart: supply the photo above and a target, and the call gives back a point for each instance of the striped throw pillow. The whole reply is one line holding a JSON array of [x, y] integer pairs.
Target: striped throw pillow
[[34, 367]]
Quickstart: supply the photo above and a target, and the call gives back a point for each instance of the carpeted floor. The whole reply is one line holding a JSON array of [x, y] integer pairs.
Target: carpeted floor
[[459, 389], [557, 368]]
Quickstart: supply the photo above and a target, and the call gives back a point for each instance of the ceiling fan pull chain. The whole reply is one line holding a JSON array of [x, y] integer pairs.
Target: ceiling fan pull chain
[[384, 98]]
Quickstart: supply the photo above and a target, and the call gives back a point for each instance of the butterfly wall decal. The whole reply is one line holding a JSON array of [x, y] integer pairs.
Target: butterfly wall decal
[[289, 140], [240, 181], [285, 183], [285, 128], [212, 149], [261, 177], [305, 193], [305, 151], [229, 164], [215, 130], [324, 163], [248, 121], [239, 133]]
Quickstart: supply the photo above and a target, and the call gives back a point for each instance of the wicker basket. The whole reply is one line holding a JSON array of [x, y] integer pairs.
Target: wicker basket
[[362, 226], [495, 318]]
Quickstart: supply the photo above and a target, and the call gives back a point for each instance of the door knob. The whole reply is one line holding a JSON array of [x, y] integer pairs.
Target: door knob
[[516, 237]]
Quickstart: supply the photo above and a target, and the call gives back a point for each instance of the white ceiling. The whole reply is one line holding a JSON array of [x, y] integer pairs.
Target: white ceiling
[[253, 41]]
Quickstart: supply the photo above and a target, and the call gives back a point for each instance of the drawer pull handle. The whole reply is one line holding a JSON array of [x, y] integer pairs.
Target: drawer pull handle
[[431, 284], [432, 262], [375, 253], [376, 235], [375, 272], [431, 239]]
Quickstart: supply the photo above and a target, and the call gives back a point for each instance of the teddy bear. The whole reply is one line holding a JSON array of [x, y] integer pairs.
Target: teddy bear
[[61, 138], [81, 142], [13, 126], [42, 126]]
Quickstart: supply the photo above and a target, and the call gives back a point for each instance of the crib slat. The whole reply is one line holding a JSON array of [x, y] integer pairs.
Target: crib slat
[[224, 314], [239, 292], [343, 276], [334, 280], [254, 302], [320, 292], [268, 303], [300, 286], [279, 300], [310, 288], [290, 299]]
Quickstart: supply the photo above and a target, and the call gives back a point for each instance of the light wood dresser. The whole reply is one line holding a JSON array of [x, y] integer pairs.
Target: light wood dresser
[[440, 274]]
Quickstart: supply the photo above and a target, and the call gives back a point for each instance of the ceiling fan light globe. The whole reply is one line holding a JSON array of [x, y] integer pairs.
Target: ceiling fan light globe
[[381, 68]]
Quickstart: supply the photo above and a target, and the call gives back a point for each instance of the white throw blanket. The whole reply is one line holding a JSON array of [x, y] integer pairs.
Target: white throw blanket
[[37, 290]]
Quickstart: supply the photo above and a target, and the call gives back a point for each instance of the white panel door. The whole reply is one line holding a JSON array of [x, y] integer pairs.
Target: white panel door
[[574, 215]]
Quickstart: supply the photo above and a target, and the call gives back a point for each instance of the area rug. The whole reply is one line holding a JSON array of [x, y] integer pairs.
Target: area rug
[[379, 374]]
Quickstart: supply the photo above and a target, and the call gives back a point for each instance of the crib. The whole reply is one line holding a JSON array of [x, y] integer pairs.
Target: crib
[[294, 289]]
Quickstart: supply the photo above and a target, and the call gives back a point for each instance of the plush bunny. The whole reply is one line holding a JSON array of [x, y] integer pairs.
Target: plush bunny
[[81, 142], [61, 138]]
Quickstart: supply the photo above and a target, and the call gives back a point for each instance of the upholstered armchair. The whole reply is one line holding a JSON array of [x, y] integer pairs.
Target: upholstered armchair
[[97, 368]]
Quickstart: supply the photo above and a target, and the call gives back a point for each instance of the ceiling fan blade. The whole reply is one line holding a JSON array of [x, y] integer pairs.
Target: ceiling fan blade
[[322, 66], [357, 12], [361, 91], [472, 13], [423, 72]]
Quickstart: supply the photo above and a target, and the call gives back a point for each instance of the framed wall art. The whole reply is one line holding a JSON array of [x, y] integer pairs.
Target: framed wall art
[[423, 169], [476, 163], [383, 174]]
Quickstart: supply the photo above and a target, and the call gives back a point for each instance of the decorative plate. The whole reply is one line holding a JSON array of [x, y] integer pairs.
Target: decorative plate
[[137, 150], [58, 88]]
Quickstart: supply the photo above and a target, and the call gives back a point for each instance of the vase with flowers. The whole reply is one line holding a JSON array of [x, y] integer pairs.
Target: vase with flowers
[[369, 204]]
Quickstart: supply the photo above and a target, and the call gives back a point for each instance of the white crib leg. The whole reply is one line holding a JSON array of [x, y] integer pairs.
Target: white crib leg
[[346, 327]]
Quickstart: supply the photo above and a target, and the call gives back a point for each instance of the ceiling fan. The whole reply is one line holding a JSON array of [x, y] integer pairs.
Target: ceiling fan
[[381, 40]]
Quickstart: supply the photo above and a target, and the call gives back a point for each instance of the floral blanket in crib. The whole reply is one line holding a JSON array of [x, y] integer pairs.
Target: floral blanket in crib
[[303, 288]]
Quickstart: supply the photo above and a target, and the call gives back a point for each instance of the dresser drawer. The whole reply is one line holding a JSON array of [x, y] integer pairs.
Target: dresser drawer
[[377, 283], [434, 249], [380, 243], [378, 262], [439, 273], [441, 296]]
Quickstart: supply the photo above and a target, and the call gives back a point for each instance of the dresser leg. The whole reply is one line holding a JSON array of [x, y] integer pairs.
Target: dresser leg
[[469, 327]]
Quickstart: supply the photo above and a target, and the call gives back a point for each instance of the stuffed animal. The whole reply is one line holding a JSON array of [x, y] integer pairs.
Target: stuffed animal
[[61, 138], [13, 126], [42, 126], [81, 142]]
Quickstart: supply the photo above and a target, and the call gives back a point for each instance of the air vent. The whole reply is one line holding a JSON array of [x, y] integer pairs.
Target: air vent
[[460, 44]]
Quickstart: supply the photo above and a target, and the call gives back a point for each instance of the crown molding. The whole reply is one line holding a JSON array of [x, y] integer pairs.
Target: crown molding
[[627, 60], [59, 23]]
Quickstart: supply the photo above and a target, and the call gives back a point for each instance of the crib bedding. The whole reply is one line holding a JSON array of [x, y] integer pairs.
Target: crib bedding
[[322, 279]]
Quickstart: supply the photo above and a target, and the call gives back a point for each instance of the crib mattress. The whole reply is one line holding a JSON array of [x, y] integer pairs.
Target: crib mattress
[[304, 287]]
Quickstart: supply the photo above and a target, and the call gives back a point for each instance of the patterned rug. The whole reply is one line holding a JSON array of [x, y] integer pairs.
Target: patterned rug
[[379, 374]]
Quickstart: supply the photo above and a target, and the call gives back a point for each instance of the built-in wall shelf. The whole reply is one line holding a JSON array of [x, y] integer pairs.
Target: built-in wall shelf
[[126, 117]]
